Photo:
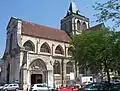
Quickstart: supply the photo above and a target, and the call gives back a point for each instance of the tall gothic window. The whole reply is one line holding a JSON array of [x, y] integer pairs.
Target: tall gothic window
[[69, 67], [70, 26], [84, 26], [65, 26], [78, 25], [70, 51], [56, 67], [45, 48], [29, 46], [11, 39], [59, 50]]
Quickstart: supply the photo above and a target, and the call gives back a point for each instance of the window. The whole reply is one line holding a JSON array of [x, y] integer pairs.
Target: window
[[29, 46], [84, 26], [78, 25], [45, 48], [39, 85], [69, 67], [10, 85], [70, 26], [56, 67], [14, 85], [59, 50], [65, 26], [91, 79], [70, 51], [10, 47]]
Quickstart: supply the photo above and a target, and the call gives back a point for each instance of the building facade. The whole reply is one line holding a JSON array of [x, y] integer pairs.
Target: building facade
[[40, 54]]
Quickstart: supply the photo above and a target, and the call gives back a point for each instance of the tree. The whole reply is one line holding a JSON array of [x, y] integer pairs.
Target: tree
[[108, 11], [97, 50]]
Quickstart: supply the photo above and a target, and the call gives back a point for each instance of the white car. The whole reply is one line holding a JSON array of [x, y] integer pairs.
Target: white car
[[40, 87], [1, 87], [13, 87]]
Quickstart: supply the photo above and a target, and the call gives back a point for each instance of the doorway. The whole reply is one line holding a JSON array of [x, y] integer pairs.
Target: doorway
[[36, 78]]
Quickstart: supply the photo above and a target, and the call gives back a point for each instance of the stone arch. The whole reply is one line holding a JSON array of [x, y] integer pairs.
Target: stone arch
[[69, 67], [78, 25], [38, 64], [84, 26], [38, 71], [59, 50], [29, 45], [45, 48]]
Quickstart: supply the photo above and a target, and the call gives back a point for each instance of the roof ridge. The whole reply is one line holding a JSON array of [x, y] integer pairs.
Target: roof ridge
[[41, 25], [97, 25], [33, 29]]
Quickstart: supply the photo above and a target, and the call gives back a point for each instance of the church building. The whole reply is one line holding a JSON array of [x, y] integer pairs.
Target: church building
[[39, 54]]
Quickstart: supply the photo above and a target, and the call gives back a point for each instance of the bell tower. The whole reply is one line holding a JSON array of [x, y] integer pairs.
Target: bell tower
[[74, 22]]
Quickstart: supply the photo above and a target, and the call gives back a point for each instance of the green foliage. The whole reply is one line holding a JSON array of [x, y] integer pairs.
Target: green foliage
[[108, 11], [96, 50], [116, 77]]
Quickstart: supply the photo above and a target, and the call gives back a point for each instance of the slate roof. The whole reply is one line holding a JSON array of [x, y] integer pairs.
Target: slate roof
[[40, 31], [96, 27]]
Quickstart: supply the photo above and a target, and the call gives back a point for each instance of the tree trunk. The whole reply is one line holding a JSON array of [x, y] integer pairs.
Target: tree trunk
[[107, 71]]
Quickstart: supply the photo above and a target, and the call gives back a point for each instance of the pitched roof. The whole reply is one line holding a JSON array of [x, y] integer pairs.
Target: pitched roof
[[97, 27], [40, 31]]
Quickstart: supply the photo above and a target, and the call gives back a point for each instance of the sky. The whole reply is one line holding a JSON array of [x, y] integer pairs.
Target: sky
[[43, 12]]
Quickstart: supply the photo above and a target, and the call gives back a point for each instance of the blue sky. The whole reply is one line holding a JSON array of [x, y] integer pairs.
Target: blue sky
[[44, 12]]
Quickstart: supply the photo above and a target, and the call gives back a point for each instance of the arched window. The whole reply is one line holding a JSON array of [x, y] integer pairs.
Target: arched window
[[29, 46], [70, 26], [56, 67], [59, 50], [10, 46], [84, 26], [78, 25], [69, 67], [70, 51], [45, 48], [65, 26]]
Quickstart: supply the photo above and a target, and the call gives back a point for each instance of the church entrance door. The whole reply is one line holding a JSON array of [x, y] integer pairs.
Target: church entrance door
[[38, 72], [36, 78]]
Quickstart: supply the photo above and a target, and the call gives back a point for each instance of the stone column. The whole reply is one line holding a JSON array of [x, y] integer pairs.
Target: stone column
[[28, 80], [64, 72], [50, 78], [23, 65], [24, 79]]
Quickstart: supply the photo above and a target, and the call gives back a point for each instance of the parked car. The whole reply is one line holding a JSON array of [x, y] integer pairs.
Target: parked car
[[41, 87], [1, 87], [102, 87], [13, 87], [96, 87], [115, 87]]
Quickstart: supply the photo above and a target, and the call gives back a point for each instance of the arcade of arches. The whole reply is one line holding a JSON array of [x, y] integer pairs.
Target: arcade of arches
[[39, 72]]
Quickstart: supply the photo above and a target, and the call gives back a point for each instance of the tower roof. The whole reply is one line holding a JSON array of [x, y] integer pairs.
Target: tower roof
[[73, 8]]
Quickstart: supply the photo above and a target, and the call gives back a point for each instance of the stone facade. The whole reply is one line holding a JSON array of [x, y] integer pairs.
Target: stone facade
[[30, 58]]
